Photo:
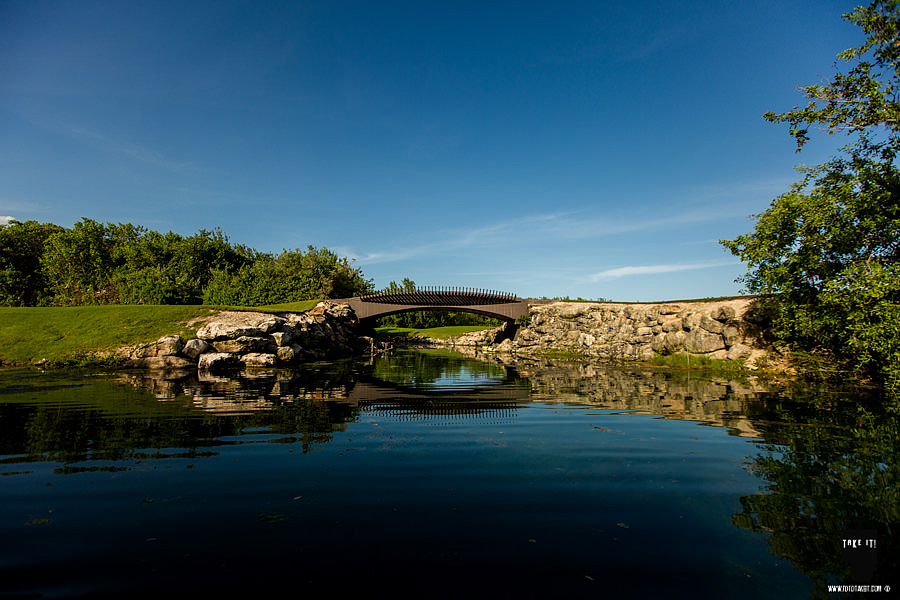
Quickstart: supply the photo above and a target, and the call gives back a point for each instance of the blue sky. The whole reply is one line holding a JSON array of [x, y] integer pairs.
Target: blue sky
[[593, 149]]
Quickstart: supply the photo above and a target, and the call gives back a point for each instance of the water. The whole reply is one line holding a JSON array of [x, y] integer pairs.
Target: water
[[430, 474]]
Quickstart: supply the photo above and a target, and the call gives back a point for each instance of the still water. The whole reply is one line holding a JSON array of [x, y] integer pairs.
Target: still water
[[435, 475]]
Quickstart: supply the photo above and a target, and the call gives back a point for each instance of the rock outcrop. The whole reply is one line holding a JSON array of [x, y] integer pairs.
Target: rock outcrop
[[733, 329], [248, 339]]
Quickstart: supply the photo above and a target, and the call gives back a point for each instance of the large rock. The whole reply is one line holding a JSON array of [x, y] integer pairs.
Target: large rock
[[739, 352], [243, 345], [194, 348], [216, 331], [257, 359], [711, 325], [701, 341], [160, 362], [169, 345], [212, 361]]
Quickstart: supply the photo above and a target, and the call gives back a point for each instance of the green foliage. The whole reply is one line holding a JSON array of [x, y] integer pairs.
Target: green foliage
[[682, 360], [22, 281], [291, 276], [427, 319], [827, 252], [829, 466], [442, 332], [96, 263]]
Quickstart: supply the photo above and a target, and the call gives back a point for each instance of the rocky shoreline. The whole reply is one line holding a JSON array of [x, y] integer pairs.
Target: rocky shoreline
[[733, 329], [250, 339]]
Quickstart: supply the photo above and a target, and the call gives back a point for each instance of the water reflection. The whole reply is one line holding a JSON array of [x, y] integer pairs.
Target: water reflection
[[830, 467], [826, 461]]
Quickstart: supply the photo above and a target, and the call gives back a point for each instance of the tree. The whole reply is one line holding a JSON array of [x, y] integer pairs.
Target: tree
[[22, 281], [827, 252], [78, 264], [293, 275]]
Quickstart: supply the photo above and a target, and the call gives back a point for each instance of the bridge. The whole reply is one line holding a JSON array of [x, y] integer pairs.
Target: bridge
[[499, 305]]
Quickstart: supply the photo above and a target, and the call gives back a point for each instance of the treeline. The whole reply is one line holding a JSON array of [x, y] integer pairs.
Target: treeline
[[42, 264], [425, 319]]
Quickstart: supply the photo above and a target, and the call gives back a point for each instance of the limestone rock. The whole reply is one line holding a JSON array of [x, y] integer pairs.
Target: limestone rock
[[243, 344], [671, 325], [194, 348], [690, 321], [701, 341], [169, 345], [739, 352], [223, 331], [288, 354], [160, 362], [218, 360], [258, 359], [282, 338], [725, 313], [710, 325], [731, 333]]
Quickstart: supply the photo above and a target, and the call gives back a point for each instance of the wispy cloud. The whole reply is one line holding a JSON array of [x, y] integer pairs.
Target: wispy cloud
[[5, 220], [135, 151], [653, 270]]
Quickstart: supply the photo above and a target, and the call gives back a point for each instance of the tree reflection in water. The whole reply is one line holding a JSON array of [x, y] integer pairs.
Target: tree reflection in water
[[828, 459], [830, 466]]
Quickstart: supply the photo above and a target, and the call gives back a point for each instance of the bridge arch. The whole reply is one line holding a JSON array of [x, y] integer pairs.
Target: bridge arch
[[500, 305]]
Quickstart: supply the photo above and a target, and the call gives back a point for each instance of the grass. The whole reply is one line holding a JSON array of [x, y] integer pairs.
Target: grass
[[441, 333], [83, 334], [701, 362]]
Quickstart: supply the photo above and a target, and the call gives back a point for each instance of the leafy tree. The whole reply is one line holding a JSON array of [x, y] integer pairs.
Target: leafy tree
[[78, 264], [22, 281], [828, 250], [291, 276]]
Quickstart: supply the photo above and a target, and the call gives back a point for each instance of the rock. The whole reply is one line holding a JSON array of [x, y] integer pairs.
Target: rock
[[673, 342], [701, 341], [671, 325], [169, 345], [282, 338], [257, 359], [223, 331], [271, 324], [710, 325], [739, 352], [243, 345], [160, 362], [758, 314], [731, 333], [218, 360], [288, 354], [194, 348], [725, 313], [690, 320]]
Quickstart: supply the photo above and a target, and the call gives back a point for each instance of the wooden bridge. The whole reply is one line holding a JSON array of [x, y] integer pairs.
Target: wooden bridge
[[499, 305]]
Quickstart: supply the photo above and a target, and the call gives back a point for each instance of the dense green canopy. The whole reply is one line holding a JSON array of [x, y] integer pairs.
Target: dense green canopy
[[828, 250], [96, 263]]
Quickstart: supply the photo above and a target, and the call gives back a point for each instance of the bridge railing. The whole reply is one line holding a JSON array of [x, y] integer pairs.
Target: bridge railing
[[442, 296]]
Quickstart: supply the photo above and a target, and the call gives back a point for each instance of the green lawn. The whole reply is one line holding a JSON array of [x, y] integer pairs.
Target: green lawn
[[69, 334], [434, 332]]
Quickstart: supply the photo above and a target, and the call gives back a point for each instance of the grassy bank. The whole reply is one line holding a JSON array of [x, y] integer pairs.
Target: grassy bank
[[72, 335], [441, 333]]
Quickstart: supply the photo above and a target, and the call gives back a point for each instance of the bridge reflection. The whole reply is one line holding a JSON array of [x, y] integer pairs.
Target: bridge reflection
[[414, 386]]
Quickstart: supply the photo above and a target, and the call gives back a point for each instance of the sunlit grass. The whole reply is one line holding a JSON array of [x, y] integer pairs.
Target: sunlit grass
[[683, 360], [62, 335], [441, 333]]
